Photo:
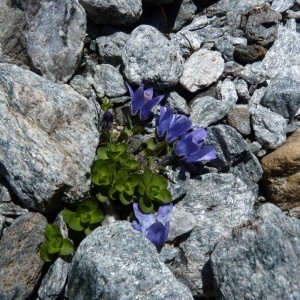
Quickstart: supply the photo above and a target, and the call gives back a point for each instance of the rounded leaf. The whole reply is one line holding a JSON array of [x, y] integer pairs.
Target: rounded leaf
[[67, 247]]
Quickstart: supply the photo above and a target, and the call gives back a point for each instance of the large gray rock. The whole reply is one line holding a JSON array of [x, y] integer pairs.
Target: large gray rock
[[113, 11], [48, 139], [117, 262], [150, 57], [13, 45], [20, 263], [269, 127], [261, 259], [219, 202], [55, 37], [282, 96]]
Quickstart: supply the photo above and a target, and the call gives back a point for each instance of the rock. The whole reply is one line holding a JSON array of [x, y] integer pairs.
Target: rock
[[207, 110], [260, 259], [2, 220], [219, 202], [110, 80], [149, 57], [234, 155], [81, 85], [13, 44], [239, 118], [228, 92], [114, 12], [269, 128], [262, 24], [110, 48], [202, 69], [53, 283], [282, 96], [20, 263], [249, 53], [168, 253], [118, 262], [48, 140], [282, 5], [281, 178], [242, 89], [158, 1], [179, 103], [55, 38]]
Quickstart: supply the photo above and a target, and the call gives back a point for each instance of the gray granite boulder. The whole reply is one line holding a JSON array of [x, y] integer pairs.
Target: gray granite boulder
[[261, 259], [219, 202], [148, 56], [113, 11], [55, 38], [48, 139], [20, 263], [117, 262]]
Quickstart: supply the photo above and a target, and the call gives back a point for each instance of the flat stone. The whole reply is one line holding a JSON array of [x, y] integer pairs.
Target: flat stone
[[46, 128], [20, 263], [201, 69], [117, 262], [239, 118], [260, 259], [113, 11], [149, 57], [55, 37], [249, 53], [282, 174]]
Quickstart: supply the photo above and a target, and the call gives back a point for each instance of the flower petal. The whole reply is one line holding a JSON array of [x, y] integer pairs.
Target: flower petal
[[137, 98], [180, 125], [165, 120], [147, 107], [204, 153], [157, 233], [199, 135], [148, 94], [164, 213], [145, 220]]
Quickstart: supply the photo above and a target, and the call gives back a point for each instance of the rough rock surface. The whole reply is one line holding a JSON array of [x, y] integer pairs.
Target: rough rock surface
[[263, 255], [113, 11], [150, 57], [45, 130], [282, 174], [117, 262], [239, 118], [201, 69], [55, 38], [20, 263], [219, 202]]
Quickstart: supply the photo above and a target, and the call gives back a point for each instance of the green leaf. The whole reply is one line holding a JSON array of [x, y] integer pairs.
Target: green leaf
[[126, 199], [75, 224], [67, 247], [54, 246], [146, 205], [164, 196], [68, 214], [161, 148], [52, 231], [137, 129], [151, 144], [44, 255], [88, 231], [96, 216], [101, 153], [101, 197]]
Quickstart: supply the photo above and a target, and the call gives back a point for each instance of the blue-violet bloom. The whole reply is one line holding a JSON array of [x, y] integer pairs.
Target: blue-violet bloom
[[174, 125], [191, 149], [154, 227], [142, 101]]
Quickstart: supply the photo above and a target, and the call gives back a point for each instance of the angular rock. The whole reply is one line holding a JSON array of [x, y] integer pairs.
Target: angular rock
[[228, 92], [20, 263], [260, 260], [179, 103], [242, 89], [13, 44], [281, 178], [117, 262], [208, 110], [249, 53], [2, 220], [110, 80], [55, 38], [110, 48], [219, 202], [262, 24], [150, 57], [53, 283], [269, 128], [48, 139], [81, 85], [234, 155], [202, 69], [239, 118], [282, 5], [158, 1], [282, 96]]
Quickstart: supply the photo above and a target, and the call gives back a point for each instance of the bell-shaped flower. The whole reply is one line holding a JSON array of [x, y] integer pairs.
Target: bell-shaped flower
[[191, 149], [142, 101], [154, 227], [173, 125]]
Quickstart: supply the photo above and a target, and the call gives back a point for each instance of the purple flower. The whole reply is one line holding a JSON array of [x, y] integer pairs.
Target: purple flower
[[142, 101], [174, 125], [155, 228], [190, 147]]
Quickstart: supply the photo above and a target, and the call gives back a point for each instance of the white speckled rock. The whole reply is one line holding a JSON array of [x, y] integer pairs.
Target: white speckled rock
[[202, 69]]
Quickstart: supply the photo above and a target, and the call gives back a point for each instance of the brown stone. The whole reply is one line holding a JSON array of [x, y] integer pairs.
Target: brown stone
[[281, 180]]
